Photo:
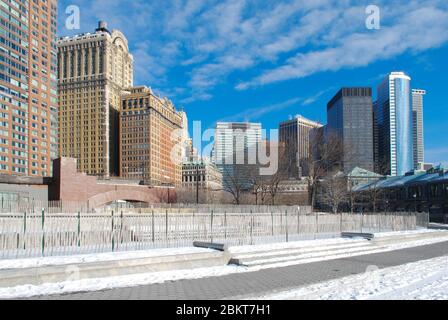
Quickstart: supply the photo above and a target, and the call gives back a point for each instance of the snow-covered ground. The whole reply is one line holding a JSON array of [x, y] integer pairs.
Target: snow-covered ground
[[160, 277], [95, 257], [422, 280]]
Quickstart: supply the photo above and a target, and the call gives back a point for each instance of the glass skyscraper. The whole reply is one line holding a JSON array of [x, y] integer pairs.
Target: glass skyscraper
[[394, 126], [417, 109], [349, 115]]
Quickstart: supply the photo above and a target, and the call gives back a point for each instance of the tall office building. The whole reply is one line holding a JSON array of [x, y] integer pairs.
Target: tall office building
[[94, 68], [394, 129], [236, 148], [417, 116], [28, 88], [295, 134], [350, 118], [150, 138]]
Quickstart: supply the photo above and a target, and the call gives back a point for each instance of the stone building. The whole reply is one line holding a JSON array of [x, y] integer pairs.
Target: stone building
[[94, 68]]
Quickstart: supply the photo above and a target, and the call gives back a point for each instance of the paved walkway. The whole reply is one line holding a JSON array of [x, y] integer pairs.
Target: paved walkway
[[242, 285]]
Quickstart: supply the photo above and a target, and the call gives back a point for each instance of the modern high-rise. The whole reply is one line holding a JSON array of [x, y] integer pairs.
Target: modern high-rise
[[350, 119], [394, 126], [417, 116], [236, 148], [150, 138], [28, 87], [295, 134], [94, 68]]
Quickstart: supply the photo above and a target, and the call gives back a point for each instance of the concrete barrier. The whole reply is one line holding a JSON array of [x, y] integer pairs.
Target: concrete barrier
[[102, 269], [368, 236], [209, 245]]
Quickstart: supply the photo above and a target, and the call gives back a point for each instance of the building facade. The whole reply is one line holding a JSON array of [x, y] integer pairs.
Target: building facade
[[417, 116], [202, 175], [94, 68], [150, 138], [394, 126], [350, 117], [235, 150], [28, 87], [295, 134]]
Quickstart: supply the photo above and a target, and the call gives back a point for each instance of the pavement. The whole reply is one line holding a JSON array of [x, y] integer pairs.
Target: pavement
[[244, 285]]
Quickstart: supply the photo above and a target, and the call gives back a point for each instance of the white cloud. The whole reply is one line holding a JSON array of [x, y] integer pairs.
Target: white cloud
[[252, 114], [212, 39], [418, 30]]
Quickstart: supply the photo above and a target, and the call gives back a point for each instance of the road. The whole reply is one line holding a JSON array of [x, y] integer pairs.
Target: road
[[241, 285]]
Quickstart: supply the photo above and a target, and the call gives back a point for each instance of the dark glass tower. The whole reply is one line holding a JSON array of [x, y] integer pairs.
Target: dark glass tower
[[350, 117]]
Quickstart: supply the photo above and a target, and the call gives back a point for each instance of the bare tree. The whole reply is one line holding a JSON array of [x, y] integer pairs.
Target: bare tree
[[238, 179], [334, 191], [326, 154]]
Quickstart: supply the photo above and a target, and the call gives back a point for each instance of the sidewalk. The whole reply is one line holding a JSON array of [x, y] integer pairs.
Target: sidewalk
[[241, 285]]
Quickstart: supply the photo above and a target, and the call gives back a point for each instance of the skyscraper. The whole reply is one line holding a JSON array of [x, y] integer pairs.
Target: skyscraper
[[295, 134], [28, 92], [394, 129], [417, 116], [94, 68], [150, 149], [236, 149], [350, 118]]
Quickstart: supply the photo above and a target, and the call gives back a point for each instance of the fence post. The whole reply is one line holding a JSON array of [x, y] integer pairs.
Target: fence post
[[225, 224], [298, 222], [43, 232], [152, 227], [379, 221], [166, 225], [112, 234], [121, 227], [251, 227], [211, 227], [286, 225], [362, 220], [24, 231], [317, 226], [340, 222], [272, 224], [79, 229], [194, 228]]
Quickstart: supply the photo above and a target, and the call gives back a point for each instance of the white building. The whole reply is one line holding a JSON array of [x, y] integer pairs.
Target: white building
[[236, 143]]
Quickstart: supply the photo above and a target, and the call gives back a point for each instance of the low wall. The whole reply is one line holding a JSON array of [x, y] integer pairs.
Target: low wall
[[71, 185]]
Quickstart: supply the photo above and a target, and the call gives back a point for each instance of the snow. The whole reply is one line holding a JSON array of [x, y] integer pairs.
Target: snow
[[98, 284], [422, 280], [329, 249], [96, 257]]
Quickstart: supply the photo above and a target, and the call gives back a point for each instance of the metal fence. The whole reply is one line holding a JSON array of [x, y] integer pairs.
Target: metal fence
[[36, 206], [50, 234]]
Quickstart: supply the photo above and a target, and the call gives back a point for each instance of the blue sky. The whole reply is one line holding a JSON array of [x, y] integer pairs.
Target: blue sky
[[264, 61]]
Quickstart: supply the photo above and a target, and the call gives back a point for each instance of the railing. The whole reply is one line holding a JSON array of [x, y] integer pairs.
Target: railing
[[50, 234]]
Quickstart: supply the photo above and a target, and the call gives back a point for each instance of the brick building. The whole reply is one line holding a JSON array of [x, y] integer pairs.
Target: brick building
[[150, 138]]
